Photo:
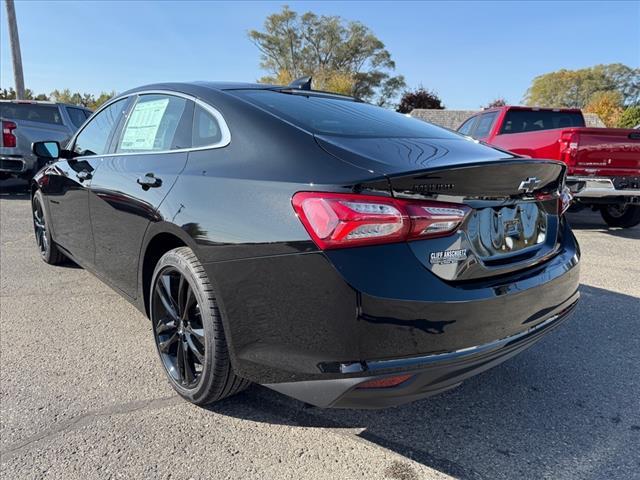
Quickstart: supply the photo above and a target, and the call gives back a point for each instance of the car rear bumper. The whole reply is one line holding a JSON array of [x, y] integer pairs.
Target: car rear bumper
[[603, 187], [429, 375], [12, 164], [345, 316]]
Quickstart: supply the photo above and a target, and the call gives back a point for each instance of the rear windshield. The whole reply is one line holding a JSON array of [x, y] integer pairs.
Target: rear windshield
[[31, 112], [517, 121], [323, 115]]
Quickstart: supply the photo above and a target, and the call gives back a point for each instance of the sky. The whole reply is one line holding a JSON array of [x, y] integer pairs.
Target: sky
[[468, 52]]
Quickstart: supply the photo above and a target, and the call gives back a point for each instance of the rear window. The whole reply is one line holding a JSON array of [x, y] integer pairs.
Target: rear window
[[31, 112], [77, 116], [323, 115], [518, 121]]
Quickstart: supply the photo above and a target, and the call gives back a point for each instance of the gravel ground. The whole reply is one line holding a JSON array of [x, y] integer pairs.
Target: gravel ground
[[83, 395]]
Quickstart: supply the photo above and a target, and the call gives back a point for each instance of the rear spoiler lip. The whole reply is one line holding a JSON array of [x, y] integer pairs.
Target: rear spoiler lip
[[455, 185], [518, 161]]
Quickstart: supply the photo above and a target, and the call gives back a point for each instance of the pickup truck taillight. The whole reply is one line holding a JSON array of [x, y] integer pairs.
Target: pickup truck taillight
[[338, 220], [8, 138], [568, 147]]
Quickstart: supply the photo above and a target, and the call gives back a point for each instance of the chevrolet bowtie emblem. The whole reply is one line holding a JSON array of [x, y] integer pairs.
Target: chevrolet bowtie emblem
[[528, 185]]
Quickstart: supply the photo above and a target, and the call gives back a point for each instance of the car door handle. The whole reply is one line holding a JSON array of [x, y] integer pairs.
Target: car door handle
[[84, 175], [149, 181]]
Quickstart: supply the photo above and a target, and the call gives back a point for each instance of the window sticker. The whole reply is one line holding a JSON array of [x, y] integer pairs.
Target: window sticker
[[143, 124]]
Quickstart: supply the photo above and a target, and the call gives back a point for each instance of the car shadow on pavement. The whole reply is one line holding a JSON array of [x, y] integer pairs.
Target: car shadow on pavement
[[566, 408], [14, 189], [588, 220]]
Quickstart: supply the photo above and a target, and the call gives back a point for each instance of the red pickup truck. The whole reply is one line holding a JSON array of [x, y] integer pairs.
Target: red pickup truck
[[603, 163]]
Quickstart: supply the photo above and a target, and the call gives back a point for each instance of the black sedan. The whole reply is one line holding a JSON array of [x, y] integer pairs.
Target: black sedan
[[334, 251]]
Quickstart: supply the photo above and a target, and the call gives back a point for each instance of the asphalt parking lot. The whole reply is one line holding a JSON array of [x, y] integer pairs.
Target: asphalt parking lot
[[83, 395]]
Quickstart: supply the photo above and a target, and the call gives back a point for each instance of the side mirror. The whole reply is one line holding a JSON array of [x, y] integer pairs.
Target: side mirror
[[49, 150]]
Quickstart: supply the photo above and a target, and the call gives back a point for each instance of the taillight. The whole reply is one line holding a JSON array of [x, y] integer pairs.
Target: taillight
[[337, 220], [568, 147], [8, 138]]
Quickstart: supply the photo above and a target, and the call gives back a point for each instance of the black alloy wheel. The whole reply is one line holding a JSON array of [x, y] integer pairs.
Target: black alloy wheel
[[179, 331], [40, 227], [188, 331], [46, 246]]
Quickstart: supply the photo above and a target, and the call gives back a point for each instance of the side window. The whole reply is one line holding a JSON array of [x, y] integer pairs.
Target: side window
[[465, 128], [485, 123], [94, 137], [157, 123], [206, 130], [77, 116]]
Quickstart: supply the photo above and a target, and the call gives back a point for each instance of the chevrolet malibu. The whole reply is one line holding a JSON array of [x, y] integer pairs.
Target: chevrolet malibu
[[334, 251]]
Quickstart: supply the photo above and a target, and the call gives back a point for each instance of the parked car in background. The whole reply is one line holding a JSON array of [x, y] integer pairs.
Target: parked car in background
[[332, 250], [603, 163], [25, 122]]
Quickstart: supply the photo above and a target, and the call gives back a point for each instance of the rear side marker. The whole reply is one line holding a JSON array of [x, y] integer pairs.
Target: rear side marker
[[338, 220]]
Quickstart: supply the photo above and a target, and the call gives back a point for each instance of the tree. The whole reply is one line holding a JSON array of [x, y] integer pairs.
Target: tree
[[630, 117], [28, 95], [85, 99], [574, 88], [63, 96], [344, 57], [498, 102], [419, 98], [607, 105]]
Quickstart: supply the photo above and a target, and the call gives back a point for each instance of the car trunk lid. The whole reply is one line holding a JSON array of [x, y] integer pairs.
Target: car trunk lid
[[513, 223]]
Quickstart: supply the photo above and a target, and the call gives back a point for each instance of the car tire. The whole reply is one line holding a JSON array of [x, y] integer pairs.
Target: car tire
[[626, 217], [49, 251], [188, 332]]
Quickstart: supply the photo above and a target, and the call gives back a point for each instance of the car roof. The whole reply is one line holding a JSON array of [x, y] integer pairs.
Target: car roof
[[195, 88]]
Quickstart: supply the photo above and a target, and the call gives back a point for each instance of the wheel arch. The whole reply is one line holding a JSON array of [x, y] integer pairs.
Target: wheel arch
[[159, 239]]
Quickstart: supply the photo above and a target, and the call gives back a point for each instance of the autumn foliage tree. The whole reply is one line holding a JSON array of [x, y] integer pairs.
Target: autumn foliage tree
[[630, 118], [419, 98], [574, 88], [341, 56], [607, 105]]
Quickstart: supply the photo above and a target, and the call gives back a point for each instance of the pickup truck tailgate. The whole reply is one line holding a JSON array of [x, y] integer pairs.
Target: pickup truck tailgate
[[606, 152]]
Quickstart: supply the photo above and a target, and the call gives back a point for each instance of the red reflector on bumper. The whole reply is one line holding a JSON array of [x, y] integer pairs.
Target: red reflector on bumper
[[387, 382]]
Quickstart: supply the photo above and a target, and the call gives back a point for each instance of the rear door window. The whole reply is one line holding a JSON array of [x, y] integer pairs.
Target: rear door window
[[31, 112], [485, 124], [518, 121], [157, 123]]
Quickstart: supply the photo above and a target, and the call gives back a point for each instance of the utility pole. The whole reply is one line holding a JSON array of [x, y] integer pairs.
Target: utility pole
[[15, 49]]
